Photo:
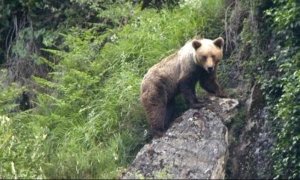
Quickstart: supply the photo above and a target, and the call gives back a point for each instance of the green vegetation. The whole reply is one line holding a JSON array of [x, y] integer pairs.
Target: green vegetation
[[87, 120], [268, 53], [82, 61], [283, 89]]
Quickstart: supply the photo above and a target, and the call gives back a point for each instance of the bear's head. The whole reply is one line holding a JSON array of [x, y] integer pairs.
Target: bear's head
[[208, 53]]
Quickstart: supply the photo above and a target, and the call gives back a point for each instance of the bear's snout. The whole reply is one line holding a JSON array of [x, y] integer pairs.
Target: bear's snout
[[210, 69]]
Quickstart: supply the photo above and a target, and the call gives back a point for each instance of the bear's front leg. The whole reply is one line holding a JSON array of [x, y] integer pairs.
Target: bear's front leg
[[210, 85], [187, 89]]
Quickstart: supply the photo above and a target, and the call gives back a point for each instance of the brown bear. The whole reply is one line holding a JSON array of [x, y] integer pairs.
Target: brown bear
[[196, 61]]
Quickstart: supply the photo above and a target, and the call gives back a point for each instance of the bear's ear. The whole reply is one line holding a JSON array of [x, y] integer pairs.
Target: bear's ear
[[219, 42], [196, 44]]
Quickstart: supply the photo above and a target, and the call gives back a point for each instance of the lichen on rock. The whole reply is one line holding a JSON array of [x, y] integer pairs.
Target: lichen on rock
[[195, 146]]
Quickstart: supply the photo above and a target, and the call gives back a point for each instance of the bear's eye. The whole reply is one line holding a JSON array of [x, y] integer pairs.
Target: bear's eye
[[204, 58], [213, 56]]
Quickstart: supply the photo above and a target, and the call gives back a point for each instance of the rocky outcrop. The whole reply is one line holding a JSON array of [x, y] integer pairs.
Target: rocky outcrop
[[195, 146], [251, 144]]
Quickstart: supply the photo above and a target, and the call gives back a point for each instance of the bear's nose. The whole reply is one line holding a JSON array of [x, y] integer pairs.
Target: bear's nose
[[210, 69]]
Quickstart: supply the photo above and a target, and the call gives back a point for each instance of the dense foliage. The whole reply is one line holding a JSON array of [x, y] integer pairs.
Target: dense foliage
[[270, 49], [87, 121], [283, 88], [82, 62]]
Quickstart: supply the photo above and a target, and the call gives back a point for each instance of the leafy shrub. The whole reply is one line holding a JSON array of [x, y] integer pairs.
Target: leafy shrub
[[88, 122], [282, 87], [285, 15], [287, 150], [283, 96]]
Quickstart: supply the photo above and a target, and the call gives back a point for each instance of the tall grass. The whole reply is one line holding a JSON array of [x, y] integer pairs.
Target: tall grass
[[89, 122]]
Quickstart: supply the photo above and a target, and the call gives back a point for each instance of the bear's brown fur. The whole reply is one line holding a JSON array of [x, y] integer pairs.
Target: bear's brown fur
[[195, 62]]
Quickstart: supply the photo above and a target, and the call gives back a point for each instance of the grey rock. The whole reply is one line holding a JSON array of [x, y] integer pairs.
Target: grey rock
[[195, 146], [250, 150]]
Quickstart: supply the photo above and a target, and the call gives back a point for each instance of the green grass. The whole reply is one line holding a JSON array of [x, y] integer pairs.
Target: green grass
[[89, 122]]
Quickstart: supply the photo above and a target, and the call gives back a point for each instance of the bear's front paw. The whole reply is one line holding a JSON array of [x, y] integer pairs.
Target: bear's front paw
[[197, 106], [157, 133], [222, 95]]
